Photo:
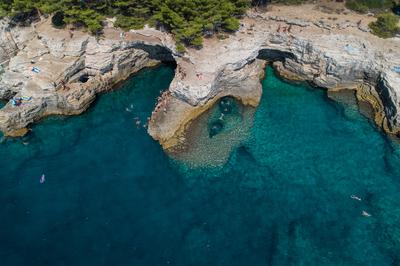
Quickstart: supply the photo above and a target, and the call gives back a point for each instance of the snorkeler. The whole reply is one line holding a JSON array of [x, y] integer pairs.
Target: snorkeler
[[366, 214], [354, 197]]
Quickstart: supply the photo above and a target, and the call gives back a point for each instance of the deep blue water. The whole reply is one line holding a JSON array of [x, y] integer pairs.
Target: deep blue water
[[112, 196]]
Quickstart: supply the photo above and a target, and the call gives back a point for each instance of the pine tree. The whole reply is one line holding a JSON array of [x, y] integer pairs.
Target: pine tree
[[189, 20]]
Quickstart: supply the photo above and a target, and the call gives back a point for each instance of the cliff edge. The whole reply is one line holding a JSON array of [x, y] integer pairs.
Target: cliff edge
[[56, 71]]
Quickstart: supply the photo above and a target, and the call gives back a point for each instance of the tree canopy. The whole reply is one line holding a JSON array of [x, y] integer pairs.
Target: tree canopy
[[189, 20], [385, 26], [364, 6]]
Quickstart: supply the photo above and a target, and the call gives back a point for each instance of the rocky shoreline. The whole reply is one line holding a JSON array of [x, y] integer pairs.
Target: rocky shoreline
[[332, 51], [336, 54], [60, 72]]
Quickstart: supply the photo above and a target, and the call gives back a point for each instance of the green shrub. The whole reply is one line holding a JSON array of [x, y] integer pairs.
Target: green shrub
[[58, 19], [385, 26], [290, 2], [197, 42], [356, 6], [231, 24], [84, 17], [363, 6], [189, 20], [127, 23], [180, 48], [5, 7]]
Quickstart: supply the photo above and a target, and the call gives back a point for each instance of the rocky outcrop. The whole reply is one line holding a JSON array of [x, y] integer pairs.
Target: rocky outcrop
[[8, 47], [388, 89], [334, 52], [61, 72], [169, 123], [327, 55]]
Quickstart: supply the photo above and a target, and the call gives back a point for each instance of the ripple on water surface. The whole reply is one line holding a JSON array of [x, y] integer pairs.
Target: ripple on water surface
[[283, 198]]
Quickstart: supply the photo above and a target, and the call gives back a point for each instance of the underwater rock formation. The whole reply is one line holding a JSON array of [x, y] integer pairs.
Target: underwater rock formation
[[215, 128]]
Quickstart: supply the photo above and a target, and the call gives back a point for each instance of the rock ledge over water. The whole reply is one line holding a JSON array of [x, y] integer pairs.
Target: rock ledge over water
[[332, 51]]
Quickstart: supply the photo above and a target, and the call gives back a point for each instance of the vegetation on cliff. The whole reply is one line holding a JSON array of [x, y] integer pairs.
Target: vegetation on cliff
[[188, 20], [364, 6], [385, 26]]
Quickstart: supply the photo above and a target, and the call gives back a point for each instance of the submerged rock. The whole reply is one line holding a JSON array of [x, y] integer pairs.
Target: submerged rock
[[215, 128], [226, 104]]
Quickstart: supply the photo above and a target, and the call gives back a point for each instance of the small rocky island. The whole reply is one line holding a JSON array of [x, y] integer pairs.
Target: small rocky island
[[48, 71]]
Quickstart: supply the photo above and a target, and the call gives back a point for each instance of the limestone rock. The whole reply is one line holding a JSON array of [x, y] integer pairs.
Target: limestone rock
[[7, 46], [390, 95], [333, 52], [60, 72], [303, 47]]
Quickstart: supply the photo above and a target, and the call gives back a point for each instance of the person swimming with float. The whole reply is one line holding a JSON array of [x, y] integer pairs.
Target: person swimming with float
[[354, 197], [365, 214]]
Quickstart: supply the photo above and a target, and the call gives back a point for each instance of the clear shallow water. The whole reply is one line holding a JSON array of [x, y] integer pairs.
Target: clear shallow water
[[112, 196], [215, 134]]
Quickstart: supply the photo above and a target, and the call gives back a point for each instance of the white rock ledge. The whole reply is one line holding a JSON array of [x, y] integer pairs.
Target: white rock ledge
[[330, 50]]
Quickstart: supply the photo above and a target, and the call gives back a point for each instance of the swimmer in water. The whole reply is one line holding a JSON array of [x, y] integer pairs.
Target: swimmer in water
[[366, 214], [42, 179], [354, 197]]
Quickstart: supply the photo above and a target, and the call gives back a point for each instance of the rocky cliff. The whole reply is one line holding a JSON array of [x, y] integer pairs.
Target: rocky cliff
[[332, 51], [55, 71]]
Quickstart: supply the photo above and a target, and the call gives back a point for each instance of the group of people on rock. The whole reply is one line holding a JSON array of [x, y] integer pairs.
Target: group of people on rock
[[284, 29], [160, 105], [181, 72], [162, 101], [17, 101], [64, 85]]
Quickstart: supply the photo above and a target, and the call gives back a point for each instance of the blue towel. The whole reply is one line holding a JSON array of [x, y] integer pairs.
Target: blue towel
[[396, 69], [351, 50], [36, 69]]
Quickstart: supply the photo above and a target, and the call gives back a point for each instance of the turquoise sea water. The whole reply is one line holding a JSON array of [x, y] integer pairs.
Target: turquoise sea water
[[112, 196]]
